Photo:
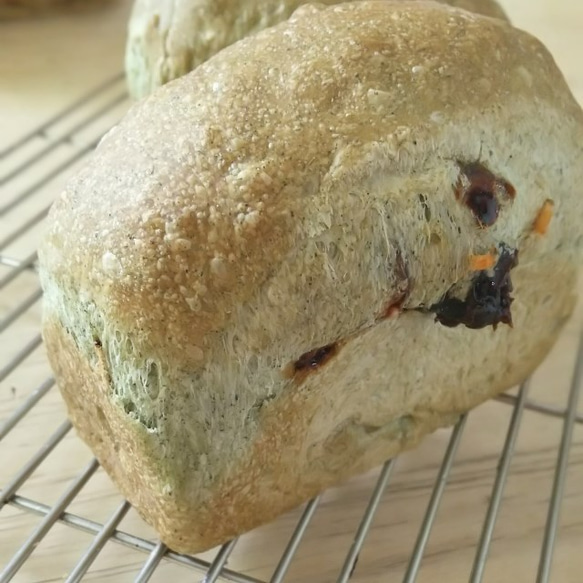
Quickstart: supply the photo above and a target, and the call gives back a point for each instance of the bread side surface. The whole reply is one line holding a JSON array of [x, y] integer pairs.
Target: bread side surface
[[168, 39], [239, 285]]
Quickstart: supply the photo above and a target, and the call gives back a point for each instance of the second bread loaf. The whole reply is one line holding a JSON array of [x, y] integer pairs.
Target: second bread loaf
[[168, 39]]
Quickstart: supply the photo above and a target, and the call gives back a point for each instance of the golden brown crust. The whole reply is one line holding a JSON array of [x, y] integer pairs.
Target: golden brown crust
[[119, 446], [298, 191], [222, 225]]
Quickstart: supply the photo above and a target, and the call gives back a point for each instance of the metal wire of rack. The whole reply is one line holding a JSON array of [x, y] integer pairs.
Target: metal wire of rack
[[34, 168]]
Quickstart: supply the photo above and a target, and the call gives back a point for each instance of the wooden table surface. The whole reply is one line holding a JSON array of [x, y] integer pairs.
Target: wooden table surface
[[45, 65]]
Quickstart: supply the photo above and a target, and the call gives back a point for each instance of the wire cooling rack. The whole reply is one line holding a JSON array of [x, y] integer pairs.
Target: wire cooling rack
[[32, 171]]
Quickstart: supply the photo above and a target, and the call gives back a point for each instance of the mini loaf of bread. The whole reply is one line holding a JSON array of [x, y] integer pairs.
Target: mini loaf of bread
[[168, 39], [326, 242]]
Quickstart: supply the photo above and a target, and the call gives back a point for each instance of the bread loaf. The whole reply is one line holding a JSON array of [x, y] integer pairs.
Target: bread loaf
[[327, 241], [168, 39]]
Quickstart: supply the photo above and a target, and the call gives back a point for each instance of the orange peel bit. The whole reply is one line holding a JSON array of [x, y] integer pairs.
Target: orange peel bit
[[543, 219], [482, 262]]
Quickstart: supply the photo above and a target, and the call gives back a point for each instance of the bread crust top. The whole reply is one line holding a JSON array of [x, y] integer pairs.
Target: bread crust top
[[189, 205]]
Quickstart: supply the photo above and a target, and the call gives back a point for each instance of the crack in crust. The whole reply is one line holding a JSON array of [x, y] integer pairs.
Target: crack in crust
[[405, 285], [488, 300], [311, 361]]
